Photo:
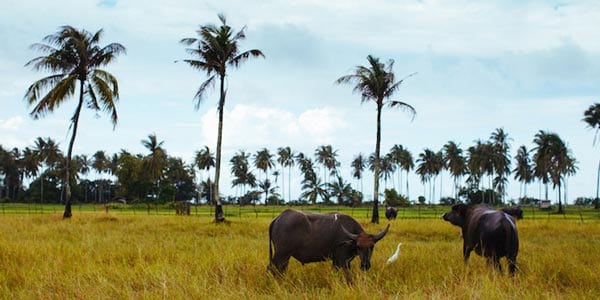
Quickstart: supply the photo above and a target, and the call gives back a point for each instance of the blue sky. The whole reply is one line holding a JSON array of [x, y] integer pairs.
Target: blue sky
[[524, 66]]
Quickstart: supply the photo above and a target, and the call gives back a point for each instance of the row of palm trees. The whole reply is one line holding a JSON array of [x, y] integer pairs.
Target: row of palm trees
[[550, 162]]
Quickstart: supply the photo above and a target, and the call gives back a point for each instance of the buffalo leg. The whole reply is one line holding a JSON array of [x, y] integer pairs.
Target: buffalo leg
[[494, 261], [279, 264], [512, 264], [345, 266], [466, 253]]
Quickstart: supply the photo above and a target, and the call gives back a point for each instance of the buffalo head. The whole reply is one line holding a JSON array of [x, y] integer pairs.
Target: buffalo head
[[363, 244], [458, 215]]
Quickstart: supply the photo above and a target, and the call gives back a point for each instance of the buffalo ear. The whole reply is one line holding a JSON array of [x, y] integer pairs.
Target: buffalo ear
[[461, 209], [381, 234]]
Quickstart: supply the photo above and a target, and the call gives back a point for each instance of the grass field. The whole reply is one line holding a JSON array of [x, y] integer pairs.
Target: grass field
[[121, 255]]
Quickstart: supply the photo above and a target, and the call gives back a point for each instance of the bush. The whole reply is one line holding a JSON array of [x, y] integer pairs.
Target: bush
[[447, 201], [392, 198]]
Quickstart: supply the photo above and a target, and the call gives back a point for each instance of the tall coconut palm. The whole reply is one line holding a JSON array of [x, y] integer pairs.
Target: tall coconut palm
[[49, 154], [387, 169], [326, 156], [553, 161], [216, 48], [100, 165], [592, 118], [377, 83], [86, 165], [241, 171], [30, 162], [523, 171], [500, 159], [358, 166], [476, 162], [155, 162], [285, 158], [455, 161], [407, 164], [75, 58], [395, 155], [263, 160], [427, 168], [314, 188], [205, 160], [341, 190]]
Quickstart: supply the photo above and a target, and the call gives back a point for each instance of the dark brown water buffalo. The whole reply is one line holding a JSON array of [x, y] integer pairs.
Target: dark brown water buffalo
[[514, 211], [310, 237], [491, 233], [391, 213]]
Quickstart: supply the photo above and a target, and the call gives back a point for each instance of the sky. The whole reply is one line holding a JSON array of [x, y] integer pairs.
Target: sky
[[523, 66]]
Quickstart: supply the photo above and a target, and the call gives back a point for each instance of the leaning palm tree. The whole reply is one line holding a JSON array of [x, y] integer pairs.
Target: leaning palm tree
[[592, 118], [216, 49], [377, 82], [75, 58]]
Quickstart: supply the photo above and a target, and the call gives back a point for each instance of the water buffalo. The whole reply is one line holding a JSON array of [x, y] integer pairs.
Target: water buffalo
[[515, 211], [491, 233], [310, 237], [391, 213]]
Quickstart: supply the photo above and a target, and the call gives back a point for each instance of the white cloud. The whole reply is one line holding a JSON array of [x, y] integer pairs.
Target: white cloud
[[11, 124], [247, 126]]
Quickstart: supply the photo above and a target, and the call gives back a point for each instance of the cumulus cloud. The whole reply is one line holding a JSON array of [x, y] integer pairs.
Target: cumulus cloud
[[11, 124], [248, 126]]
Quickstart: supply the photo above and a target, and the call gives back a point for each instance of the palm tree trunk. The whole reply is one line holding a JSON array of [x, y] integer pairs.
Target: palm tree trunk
[[219, 216], [282, 186], [407, 191], [375, 215], [560, 208], [597, 202], [68, 213], [289, 183]]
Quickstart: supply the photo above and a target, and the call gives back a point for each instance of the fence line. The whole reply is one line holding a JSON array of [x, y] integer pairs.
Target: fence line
[[574, 213]]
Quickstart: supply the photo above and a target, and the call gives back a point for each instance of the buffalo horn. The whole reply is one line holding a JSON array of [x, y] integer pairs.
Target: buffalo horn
[[352, 236], [381, 234]]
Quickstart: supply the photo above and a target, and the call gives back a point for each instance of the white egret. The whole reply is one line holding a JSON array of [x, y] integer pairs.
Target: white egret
[[394, 256]]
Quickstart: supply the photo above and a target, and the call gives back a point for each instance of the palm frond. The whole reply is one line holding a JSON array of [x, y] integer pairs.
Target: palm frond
[[244, 56], [188, 41], [92, 102], [202, 89], [37, 88], [405, 107], [54, 98]]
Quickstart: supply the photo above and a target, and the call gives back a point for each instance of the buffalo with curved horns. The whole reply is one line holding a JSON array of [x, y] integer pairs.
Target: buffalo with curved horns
[[491, 233], [310, 237]]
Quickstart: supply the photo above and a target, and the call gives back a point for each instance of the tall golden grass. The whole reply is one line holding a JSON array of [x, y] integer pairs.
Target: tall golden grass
[[99, 256]]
